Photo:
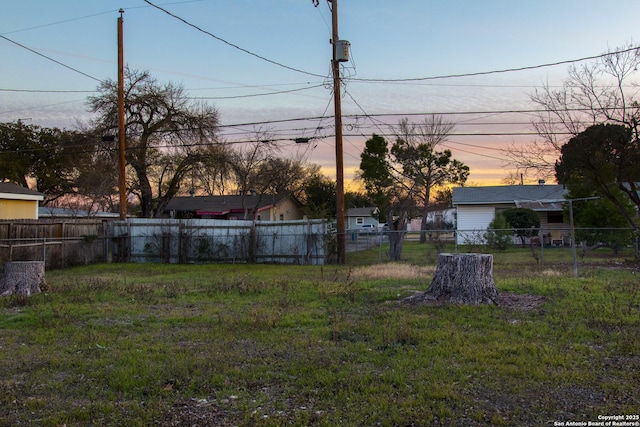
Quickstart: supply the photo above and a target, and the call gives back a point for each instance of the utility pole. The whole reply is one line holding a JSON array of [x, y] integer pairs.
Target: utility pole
[[121, 126], [335, 66]]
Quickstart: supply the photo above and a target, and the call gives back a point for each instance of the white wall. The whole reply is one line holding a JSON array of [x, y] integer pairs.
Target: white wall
[[473, 222]]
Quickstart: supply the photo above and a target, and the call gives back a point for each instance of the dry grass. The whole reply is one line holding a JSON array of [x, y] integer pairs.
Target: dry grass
[[552, 273], [392, 271]]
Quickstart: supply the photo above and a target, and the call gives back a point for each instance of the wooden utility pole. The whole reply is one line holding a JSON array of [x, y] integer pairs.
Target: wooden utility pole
[[335, 66], [121, 126]]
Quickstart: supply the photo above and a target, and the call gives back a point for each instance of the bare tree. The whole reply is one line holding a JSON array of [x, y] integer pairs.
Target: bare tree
[[166, 135], [594, 93], [259, 169]]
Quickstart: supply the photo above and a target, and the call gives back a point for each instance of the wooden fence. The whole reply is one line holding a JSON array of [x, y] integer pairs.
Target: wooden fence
[[59, 243]]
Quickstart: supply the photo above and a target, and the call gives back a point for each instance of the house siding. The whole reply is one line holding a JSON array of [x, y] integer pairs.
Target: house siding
[[287, 208], [472, 222], [18, 209]]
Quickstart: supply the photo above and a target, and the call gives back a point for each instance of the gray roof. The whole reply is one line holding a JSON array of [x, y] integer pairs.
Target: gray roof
[[361, 211], [11, 188], [46, 211], [508, 194], [222, 204]]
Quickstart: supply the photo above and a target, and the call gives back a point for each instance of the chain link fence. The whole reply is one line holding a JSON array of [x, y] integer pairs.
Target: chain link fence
[[311, 243], [593, 246]]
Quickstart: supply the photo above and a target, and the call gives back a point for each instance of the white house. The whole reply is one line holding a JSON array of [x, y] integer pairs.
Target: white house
[[476, 207]]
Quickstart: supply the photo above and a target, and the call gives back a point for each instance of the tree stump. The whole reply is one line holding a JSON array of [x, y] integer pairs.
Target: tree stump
[[462, 279], [22, 278]]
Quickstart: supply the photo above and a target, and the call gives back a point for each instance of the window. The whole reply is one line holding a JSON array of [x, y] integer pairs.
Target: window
[[359, 220], [281, 217], [555, 218]]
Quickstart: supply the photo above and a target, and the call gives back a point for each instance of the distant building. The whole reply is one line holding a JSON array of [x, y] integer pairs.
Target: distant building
[[17, 202], [52, 212], [261, 207], [357, 218], [476, 207]]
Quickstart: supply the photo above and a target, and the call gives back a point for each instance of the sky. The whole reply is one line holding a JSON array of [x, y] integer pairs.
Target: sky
[[265, 65]]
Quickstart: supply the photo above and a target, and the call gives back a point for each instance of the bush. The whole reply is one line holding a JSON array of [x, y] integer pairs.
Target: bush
[[525, 222], [498, 235]]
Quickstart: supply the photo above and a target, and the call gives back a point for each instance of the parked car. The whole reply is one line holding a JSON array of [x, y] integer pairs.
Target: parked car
[[368, 229]]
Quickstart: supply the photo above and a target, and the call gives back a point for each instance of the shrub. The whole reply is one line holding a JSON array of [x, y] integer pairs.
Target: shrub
[[498, 235]]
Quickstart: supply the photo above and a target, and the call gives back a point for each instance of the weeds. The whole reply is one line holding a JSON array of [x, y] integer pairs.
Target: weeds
[[304, 345]]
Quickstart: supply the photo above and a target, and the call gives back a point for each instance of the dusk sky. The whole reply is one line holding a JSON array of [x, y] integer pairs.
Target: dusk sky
[[76, 48]]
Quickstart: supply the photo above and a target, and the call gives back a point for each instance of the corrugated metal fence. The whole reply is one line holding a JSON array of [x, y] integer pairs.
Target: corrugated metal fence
[[74, 242]]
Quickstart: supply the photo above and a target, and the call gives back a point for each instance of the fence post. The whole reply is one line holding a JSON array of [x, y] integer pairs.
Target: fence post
[[44, 252], [541, 237]]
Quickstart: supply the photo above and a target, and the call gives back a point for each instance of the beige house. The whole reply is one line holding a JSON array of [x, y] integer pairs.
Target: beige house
[[260, 207], [17, 202]]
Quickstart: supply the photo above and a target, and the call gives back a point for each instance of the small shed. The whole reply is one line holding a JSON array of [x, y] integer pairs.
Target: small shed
[[18, 202]]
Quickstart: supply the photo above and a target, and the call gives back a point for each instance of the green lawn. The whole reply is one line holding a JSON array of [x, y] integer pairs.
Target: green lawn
[[267, 345]]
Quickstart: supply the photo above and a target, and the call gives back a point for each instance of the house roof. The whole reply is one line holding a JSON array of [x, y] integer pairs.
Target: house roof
[[220, 205], [9, 190], [508, 194], [53, 212], [362, 211]]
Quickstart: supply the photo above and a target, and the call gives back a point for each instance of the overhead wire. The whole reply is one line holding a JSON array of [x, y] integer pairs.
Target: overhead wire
[[256, 94], [507, 70], [51, 59], [232, 44]]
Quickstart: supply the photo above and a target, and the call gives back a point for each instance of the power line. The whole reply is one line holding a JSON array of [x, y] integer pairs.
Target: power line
[[231, 44], [90, 16], [257, 94], [46, 91], [446, 113], [50, 59], [507, 70], [42, 106]]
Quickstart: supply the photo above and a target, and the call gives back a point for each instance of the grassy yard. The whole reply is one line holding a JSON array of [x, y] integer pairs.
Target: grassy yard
[[265, 345]]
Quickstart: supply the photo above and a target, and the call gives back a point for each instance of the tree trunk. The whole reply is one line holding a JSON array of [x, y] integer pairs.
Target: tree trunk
[[462, 279], [397, 232], [22, 278], [423, 228]]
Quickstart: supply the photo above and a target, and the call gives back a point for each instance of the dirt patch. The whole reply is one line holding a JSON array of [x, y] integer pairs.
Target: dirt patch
[[197, 412], [519, 301], [510, 300]]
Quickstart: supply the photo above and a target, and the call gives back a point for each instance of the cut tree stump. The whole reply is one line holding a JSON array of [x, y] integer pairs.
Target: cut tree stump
[[22, 278], [462, 279]]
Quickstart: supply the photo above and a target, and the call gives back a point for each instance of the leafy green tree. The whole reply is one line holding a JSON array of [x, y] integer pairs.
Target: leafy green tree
[[499, 233], [419, 163], [599, 222], [318, 196], [604, 159], [354, 199], [525, 222], [392, 198], [400, 178], [49, 157]]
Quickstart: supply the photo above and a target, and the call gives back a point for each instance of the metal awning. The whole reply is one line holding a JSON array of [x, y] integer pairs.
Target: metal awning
[[540, 205]]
